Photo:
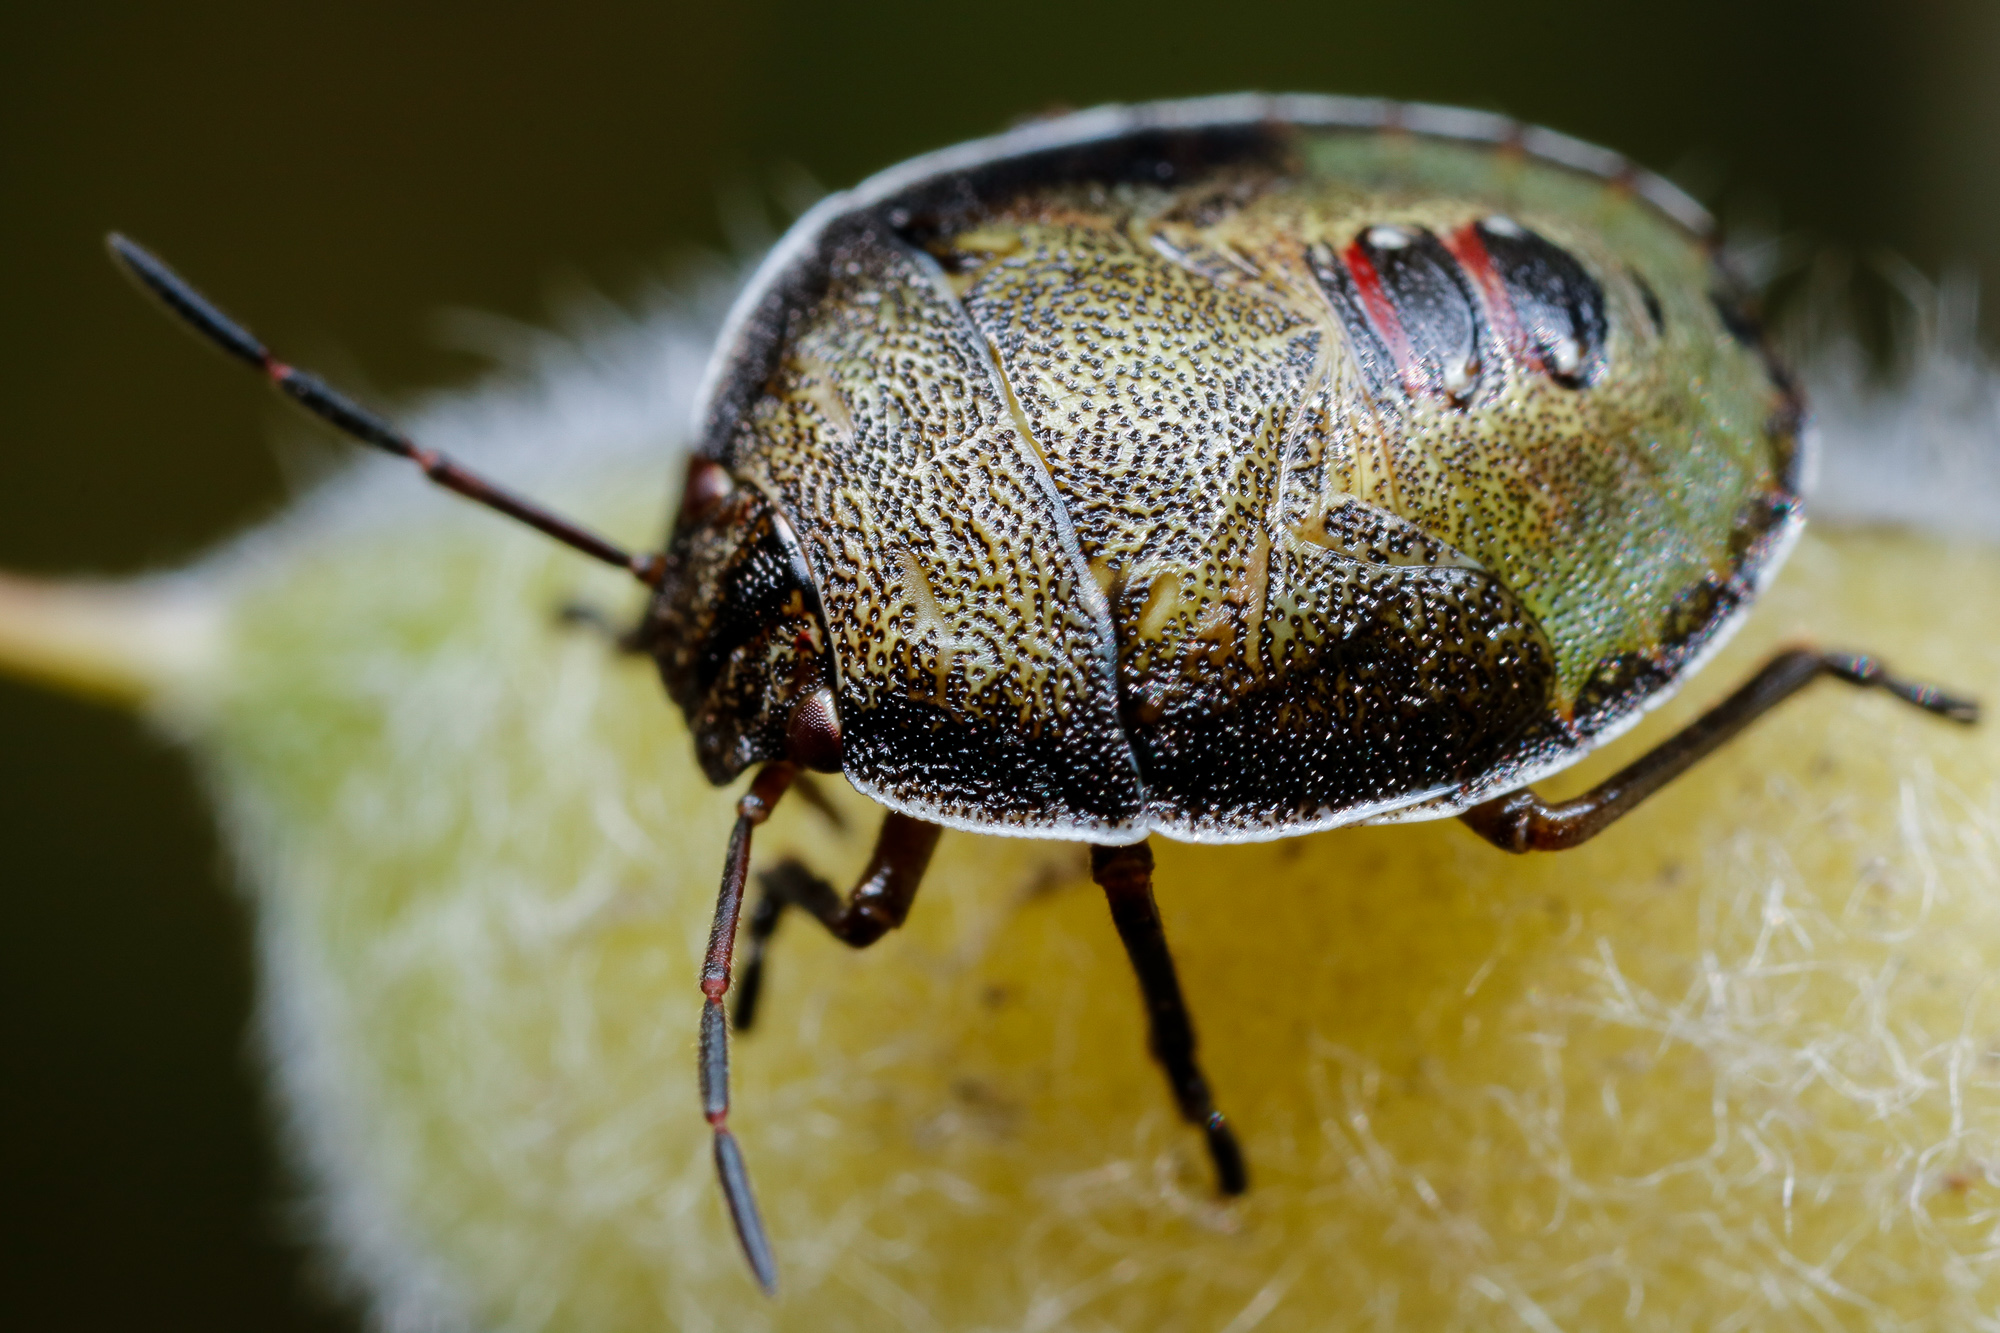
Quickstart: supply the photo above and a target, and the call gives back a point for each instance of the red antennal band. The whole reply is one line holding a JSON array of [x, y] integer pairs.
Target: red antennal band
[[351, 418]]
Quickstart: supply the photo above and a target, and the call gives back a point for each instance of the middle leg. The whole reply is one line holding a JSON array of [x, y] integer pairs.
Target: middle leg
[[877, 905], [1126, 876]]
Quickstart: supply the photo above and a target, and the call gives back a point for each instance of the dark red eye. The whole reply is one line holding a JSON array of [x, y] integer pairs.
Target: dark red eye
[[708, 485], [812, 733]]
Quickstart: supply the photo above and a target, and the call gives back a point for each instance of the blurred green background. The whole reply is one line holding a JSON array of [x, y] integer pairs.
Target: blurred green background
[[338, 174]]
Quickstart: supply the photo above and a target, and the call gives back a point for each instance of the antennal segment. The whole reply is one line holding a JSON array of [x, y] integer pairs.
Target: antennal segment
[[351, 418]]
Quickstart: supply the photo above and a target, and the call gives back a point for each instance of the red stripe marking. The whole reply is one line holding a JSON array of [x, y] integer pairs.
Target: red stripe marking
[[1470, 252], [1381, 313]]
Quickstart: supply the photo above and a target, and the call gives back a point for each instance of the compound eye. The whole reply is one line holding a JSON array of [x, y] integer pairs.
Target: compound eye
[[708, 485], [812, 733], [1558, 305]]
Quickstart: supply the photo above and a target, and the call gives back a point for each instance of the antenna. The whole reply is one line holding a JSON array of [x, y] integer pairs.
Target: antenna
[[350, 418]]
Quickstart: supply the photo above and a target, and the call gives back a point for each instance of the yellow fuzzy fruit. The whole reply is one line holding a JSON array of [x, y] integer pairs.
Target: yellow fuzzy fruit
[[1733, 1065]]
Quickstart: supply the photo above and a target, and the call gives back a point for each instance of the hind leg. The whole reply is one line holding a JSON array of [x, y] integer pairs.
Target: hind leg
[[1126, 876], [1522, 822]]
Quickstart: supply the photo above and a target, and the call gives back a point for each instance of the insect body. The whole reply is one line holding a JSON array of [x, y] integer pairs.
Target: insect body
[[1234, 479], [1226, 469]]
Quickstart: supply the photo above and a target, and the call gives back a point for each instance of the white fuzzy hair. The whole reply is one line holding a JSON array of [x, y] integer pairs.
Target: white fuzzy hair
[[612, 391]]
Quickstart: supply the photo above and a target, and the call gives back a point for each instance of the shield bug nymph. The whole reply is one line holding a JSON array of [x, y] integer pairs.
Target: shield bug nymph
[[1225, 469]]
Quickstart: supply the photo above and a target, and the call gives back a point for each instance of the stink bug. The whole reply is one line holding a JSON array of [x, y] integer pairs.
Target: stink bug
[[1226, 469]]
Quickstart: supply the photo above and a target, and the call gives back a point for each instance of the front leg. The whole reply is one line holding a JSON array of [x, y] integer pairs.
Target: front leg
[[1522, 822], [876, 905]]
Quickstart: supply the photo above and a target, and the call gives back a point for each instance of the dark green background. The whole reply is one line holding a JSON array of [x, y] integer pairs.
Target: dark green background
[[338, 174]]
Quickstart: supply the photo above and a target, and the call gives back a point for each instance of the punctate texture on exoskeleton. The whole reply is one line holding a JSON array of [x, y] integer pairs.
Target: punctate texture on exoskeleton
[[1232, 476]]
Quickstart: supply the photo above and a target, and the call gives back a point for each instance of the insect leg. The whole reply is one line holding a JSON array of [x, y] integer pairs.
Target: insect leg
[[752, 810], [1522, 822], [877, 905], [813, 793], [1126, 876]]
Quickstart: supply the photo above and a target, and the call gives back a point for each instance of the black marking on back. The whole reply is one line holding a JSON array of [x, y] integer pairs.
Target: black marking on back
[[1439, 315], [1560, 306], [1371, 353], [912, 750], [1427, 679]]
